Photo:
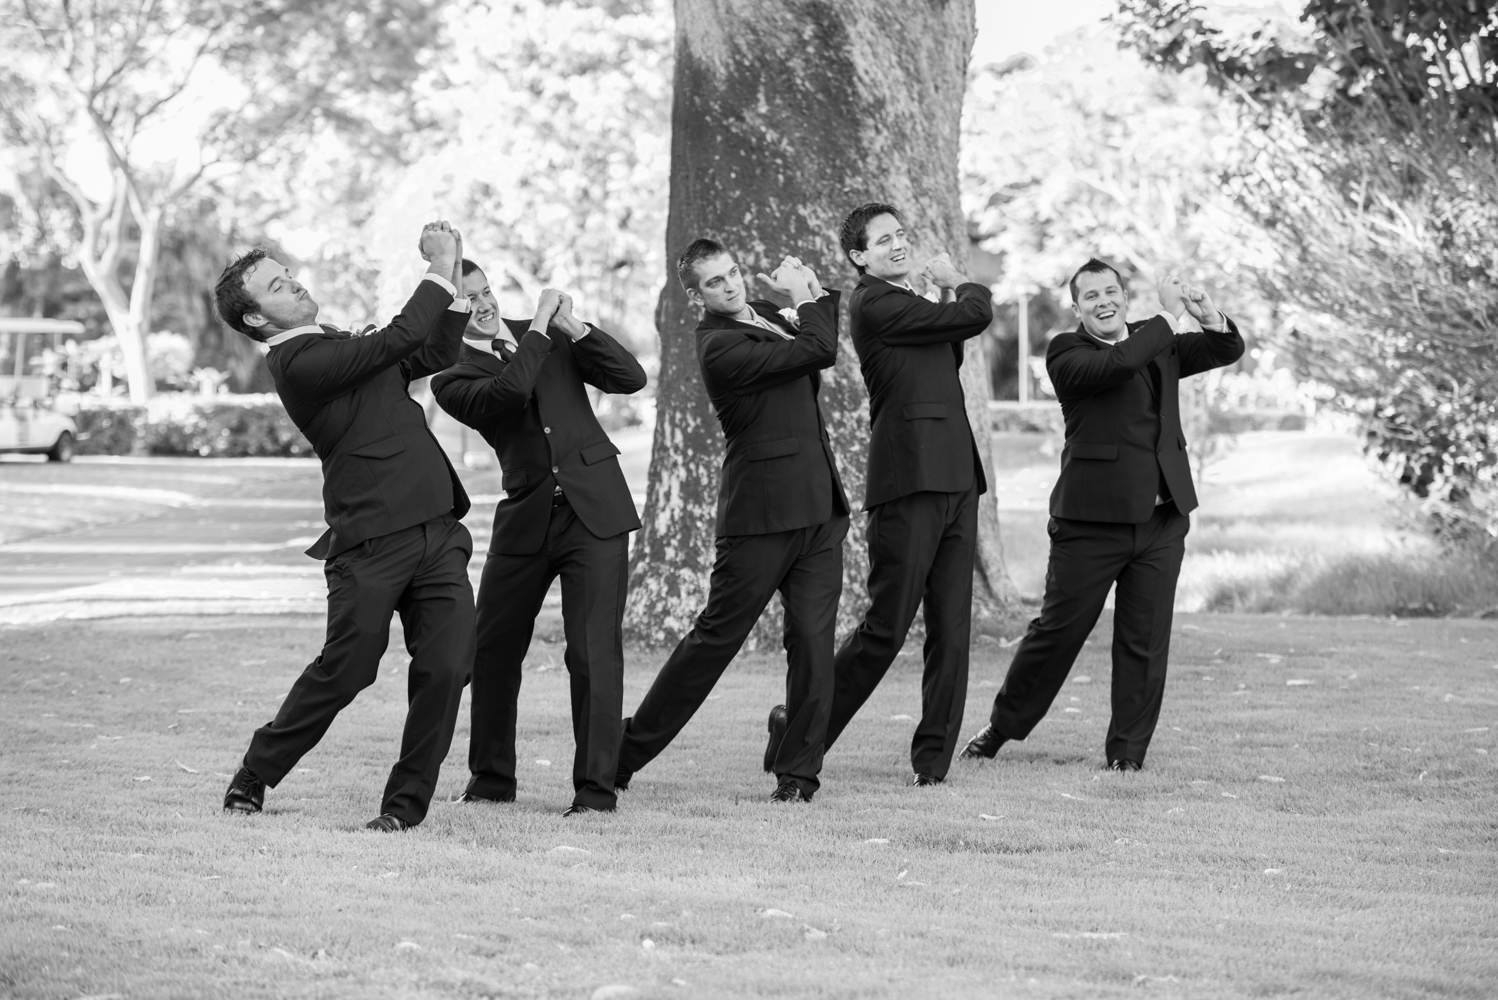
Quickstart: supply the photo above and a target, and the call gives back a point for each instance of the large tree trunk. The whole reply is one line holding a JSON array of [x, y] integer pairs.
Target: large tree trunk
[[786, 116]]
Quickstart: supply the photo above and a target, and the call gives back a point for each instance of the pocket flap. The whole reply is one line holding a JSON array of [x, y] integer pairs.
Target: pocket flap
[[383, 448], [512, 481], [1094, 450], [925, 411], [761, 450], [597, 452]]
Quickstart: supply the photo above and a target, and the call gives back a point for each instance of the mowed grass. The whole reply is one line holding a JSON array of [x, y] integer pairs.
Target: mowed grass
[[1316, 820]]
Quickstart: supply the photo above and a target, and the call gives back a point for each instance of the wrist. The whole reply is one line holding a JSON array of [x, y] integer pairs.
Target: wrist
[[443, 264]]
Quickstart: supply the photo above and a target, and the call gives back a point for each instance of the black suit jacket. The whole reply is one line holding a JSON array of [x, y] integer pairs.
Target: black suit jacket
[[779, 473], [1121, 405], [535, 413], [382, 468], [909, 349]]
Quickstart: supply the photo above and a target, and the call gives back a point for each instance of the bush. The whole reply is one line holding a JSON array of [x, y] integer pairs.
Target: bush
[[252, 426], [108, 426]]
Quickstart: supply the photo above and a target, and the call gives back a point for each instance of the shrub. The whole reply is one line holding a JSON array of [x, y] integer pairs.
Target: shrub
[[190, 425]]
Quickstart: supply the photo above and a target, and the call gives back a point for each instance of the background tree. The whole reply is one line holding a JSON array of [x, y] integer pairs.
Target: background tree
[[552, 156], [128, 105], [786, 116], [1085, 150], [1374, 174]]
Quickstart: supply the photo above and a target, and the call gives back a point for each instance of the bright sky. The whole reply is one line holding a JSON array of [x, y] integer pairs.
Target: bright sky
[[1009, 26]]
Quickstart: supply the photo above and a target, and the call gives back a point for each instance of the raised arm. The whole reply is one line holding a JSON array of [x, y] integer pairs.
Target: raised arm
[[906, 320], [602, 360]]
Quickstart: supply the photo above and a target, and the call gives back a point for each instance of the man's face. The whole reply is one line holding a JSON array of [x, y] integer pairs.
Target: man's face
[[483, 318], [720, 286], [281, 301], [888, 250], [1102, 304]]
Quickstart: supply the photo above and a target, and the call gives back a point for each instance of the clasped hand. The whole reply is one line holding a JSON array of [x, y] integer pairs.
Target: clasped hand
[[794, 280]]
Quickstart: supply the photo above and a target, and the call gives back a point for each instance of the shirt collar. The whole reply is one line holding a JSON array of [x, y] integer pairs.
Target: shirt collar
[[285, 335], [487, 344]]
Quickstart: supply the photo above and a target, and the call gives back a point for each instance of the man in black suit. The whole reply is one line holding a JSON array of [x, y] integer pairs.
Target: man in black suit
[[392, 500], [782, 514], [1119, 508], [567, 512], [924, 480]]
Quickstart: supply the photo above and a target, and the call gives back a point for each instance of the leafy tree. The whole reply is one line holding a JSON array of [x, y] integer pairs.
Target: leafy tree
[[1373, 176], [551, 156], [129, 105], [786, 116]]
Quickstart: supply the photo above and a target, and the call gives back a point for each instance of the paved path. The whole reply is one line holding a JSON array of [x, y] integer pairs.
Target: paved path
[[106, 537]]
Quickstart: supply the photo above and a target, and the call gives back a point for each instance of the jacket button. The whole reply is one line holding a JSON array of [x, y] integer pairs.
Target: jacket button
[[555, 469], [546, 430]]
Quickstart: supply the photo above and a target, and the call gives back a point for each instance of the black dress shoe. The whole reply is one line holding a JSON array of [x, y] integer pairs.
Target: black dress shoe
[[779, 719], [246, 793], [622, 779], [789, 791], [983, 746], [920, 780], [386, 823], [577, 809], [471, 796], [1124, 764]]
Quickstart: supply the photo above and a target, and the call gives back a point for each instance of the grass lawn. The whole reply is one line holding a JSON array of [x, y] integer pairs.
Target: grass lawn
[[1316, 820]]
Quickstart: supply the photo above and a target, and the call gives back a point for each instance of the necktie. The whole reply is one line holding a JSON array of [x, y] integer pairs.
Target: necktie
[[503, 349]]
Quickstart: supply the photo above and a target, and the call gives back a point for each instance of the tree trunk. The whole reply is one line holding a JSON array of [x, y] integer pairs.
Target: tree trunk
[[786, 116]]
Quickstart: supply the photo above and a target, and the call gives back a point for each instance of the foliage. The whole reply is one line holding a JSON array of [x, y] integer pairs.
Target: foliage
[[191, 425], [127, 105], [1373, 175], [551, 158]]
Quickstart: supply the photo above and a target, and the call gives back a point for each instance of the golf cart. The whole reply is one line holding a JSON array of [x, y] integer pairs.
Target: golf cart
[[29, 422]]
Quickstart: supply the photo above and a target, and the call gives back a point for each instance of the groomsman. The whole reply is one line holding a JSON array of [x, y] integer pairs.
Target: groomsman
[[567, 512], [1119, 509], [782, 515], [924, 479], [394, 543]]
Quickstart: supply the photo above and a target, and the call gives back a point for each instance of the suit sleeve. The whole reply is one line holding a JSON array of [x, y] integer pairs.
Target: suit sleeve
[[1209, 349], [606, 365], [323, 368], [475, 397], [906, 320], [733, 362], [441, 348], [1078, 368]]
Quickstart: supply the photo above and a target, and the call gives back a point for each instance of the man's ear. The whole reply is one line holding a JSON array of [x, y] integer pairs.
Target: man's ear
[[859, 258], [694, 296], [254, 320]]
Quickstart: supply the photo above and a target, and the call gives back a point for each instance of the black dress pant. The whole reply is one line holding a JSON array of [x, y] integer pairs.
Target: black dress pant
[[420, 573], [806, 567], [921, 552], [595, 579], [1087, 558]]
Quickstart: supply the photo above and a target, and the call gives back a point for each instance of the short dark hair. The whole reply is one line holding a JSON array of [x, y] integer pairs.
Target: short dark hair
[[855, 232], [469, 267], [1094, 265], [230, 295], [697, 250]]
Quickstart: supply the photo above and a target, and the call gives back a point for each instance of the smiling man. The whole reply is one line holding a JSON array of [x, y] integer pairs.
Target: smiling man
[[567, 511], [1119, 508], [782, 514], [924, 479], [392, 502]]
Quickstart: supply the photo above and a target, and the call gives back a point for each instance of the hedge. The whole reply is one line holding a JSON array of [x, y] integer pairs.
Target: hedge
[[201, 426]]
